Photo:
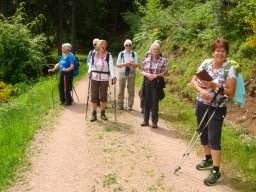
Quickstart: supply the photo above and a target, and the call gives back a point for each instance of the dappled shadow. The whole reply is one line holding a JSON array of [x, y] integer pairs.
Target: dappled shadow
[[114, 126], [77, 107], [167, 132]]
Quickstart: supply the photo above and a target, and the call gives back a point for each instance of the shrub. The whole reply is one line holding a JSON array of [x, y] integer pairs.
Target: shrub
[[5, 92], [22, 54]]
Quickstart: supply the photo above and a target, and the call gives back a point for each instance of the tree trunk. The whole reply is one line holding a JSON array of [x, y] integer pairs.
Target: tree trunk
[[73, 27], [219, 13], [60, 27], [115, 16], [2, 7]]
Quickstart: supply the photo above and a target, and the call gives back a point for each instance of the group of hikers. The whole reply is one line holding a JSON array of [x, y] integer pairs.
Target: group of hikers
[[209, 111]]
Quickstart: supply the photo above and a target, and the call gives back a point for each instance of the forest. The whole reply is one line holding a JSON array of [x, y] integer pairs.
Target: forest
[[32, 32]]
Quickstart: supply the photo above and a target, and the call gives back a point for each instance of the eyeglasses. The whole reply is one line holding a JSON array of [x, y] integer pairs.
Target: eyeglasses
[[94, 44], [128, 45]]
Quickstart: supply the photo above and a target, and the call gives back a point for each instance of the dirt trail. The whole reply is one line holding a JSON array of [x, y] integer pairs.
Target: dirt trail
[[80, 156]]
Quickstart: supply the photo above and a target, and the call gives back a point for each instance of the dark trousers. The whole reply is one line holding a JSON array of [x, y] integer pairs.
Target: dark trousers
[[150, 101], [65, 87], [211, 134]]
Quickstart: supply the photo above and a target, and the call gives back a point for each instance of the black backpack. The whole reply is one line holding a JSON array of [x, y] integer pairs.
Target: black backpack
[[107, 59], [122, 55]]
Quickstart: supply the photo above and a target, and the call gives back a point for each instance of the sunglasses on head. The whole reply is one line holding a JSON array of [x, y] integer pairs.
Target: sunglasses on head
[[128, 45]]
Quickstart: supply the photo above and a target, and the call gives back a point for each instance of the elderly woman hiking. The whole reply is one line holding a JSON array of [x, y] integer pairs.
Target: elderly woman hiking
[[153, 68], [66, 67], [127, 62], [224, 80], [100, 68]]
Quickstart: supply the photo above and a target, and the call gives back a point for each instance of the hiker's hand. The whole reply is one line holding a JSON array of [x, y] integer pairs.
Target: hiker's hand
[[50, 71], [127, 64], [64, 70], [90, 75], [114, 80], [210, 84], [206, 95]]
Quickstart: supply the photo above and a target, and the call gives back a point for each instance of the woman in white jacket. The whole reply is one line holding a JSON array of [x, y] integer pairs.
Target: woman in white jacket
[[101, 66]]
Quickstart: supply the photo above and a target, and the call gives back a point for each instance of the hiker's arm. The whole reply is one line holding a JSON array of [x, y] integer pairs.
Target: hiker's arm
[[111, 67], [200, 90], [135, 63], [230, 88], [68, 69], [119, 63], [55, 68], [71, 66]]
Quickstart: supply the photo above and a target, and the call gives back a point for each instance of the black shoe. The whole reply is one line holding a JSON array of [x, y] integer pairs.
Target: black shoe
[[62, 103], [94, 116], [154, 125], [68, 104], [103, 115], [144, 123]]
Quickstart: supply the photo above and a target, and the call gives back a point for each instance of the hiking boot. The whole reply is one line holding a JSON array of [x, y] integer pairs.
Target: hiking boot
[[120, 108], [62, 103], [213, 178], [205, 164], [94, 116], [154, 125], [103, 115], [144, 123], [129, 108]]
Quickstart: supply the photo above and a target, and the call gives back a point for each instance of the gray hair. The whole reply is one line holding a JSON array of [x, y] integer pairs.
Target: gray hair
[[155, 45], [95, 41], [127, 42], [67, 46], [158, 42]]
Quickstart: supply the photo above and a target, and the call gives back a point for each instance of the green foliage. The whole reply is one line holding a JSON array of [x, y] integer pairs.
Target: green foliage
[[22, 54]]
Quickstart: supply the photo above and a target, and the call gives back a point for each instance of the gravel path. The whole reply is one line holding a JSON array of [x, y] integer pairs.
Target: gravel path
[[80, 156]]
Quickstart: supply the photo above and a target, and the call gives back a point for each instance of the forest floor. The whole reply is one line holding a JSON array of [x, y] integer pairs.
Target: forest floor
[[77, 155]]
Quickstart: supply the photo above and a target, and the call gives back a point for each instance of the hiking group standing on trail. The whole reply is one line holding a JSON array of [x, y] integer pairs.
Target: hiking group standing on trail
[[210, 110]]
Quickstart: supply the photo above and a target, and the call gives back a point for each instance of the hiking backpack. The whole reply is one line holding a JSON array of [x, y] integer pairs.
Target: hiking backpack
[[122, 55], [239, 97], [107, 59], [76, 66]]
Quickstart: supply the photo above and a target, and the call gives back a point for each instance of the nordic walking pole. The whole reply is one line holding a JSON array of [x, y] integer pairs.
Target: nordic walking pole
[[75, 92], [194, 139], [88, 95], [114, 97], [52, 90], [114, 83]]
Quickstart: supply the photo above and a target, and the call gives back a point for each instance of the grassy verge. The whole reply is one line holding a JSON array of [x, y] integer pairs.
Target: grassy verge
[[19, 120], [238, 153]]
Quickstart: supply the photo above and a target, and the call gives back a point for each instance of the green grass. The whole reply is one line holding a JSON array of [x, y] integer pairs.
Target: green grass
[[20, 118]]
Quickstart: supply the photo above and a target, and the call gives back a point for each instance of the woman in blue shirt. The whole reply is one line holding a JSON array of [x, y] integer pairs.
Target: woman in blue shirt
[[66, 67]]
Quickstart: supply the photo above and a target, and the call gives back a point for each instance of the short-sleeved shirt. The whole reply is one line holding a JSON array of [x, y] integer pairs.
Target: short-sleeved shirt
[[219, 78], [126, 57], [101, 65], [66, 61], [154, 66]]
